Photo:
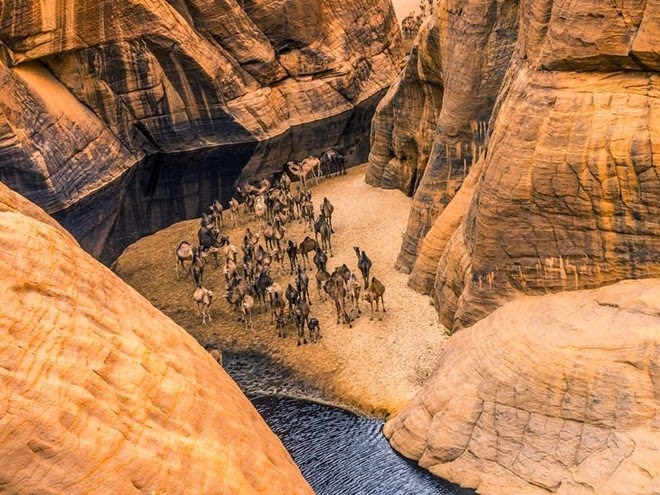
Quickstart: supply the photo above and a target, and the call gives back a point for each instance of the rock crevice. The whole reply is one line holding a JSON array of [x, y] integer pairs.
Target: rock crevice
[[567, 194]]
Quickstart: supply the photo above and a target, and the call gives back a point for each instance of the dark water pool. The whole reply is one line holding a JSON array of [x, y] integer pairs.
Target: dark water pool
[[338, 452]]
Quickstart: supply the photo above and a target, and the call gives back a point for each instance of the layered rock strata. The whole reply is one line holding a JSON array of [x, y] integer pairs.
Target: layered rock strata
[[101, 393], [434, 116], [89, 90], [549, 394], [568, 195]]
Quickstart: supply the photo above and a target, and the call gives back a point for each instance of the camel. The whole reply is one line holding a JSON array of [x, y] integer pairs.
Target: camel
[[322, 227], [234, 209], [230, 269], [203, 297], [307, 213], [260, 286], [197, 267], [250, 241], [208, 242], [302, 285], [273, 289], [260, 208], [333, 160], [373, 294], [336, 290], [310, 165], [301, 314], [183, 256], [228, 249], [307, 246], [364, 264], [270, 234], [322, 278], [291, 296], [236, 290], [278, 256], [292, 253], [314, 330], [320, 259], [353, 289], [216, 211], [246, 308], [277, 314], [326, 211]]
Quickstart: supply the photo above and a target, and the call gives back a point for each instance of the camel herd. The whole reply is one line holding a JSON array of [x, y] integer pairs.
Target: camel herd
[[272, 274]]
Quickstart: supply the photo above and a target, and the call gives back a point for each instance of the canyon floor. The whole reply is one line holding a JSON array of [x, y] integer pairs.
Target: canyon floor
[[374, 367]]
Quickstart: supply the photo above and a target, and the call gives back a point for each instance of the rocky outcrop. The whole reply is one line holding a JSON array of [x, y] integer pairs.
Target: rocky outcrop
[[101, 393], [568, 196], [88, 91], [549, 394], [436, 113]]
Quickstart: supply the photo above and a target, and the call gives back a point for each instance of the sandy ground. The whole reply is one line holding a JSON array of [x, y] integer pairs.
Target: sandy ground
[[405, 7], [375, 367]]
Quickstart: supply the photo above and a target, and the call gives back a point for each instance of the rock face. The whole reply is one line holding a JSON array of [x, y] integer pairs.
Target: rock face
[[549, 394], [568, 195], [101, 393], [90, 90]]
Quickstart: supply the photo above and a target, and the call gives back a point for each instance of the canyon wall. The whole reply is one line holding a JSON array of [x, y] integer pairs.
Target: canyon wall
[[87, 91], [558, 103], [100, 399], [548, 394]]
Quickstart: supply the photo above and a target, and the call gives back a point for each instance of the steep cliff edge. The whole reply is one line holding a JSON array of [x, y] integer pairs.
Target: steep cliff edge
[[567, 195], [548, 394], [87, 91], [101, 393]]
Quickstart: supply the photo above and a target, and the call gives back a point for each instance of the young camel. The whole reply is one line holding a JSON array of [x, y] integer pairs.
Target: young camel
[[183, 256], [203, 297], [373, 294], [216, 210], [314, 330], [246, 308]]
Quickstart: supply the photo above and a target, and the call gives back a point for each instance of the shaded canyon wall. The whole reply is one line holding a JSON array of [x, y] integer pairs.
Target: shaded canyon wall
[[90, 91], [557, 104], [102, 393]]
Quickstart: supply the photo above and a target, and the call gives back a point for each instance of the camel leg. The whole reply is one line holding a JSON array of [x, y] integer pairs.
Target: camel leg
[[382, 300], [372, 311]]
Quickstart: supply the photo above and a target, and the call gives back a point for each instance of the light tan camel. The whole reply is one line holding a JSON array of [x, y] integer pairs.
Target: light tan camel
[[310, 165]]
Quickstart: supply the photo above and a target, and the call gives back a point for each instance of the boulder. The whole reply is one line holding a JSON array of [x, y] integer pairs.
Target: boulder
[[102, 393], [548, 394]]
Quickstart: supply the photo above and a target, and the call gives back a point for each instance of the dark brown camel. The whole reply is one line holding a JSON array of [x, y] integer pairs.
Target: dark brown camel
[[364, 264]]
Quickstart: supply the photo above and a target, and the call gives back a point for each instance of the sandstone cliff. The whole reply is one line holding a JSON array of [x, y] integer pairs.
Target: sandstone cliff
[[87, 90], [549, 394], [568, 195], [101, 393]]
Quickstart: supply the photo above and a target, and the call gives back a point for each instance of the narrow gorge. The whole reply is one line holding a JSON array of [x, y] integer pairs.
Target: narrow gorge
[[503, 178]]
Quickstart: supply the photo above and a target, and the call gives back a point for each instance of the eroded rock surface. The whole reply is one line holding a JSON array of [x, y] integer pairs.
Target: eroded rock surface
[[101, 393], [568, 195], [89, 90], [549, 394]]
